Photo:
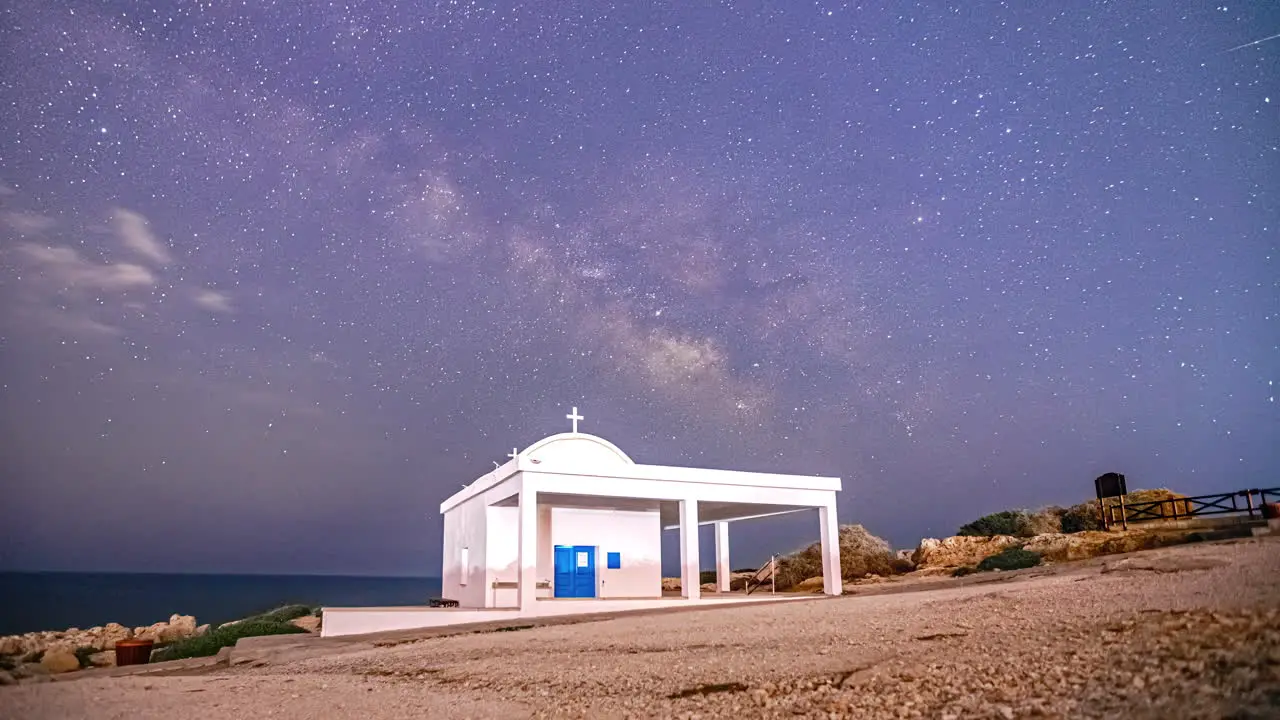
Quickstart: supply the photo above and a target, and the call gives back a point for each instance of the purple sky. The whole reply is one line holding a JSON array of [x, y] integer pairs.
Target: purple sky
[[279, 277]]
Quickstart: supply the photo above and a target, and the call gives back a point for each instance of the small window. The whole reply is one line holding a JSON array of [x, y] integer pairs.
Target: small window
[[465, 561], [615, 560]]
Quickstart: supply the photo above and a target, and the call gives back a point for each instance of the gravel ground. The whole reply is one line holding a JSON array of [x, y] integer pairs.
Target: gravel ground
[[1185, 632]]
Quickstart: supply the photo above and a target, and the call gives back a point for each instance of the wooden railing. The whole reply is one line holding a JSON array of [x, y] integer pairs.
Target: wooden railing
[[769, 572], [1230, 503]]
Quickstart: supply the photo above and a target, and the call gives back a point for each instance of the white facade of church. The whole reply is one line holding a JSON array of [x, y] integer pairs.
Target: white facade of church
[[573, 517]]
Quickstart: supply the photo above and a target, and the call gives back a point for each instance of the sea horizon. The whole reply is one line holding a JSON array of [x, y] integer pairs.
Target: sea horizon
[[44, 600]]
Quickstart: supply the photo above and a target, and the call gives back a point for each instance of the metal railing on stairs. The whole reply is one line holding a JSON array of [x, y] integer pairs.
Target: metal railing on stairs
[[768, 572]]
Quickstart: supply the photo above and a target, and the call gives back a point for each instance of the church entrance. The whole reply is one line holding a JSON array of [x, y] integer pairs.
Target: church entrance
[[575, 571]]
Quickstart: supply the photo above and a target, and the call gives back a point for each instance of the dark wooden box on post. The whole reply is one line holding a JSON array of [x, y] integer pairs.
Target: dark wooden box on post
[[1110, 485]]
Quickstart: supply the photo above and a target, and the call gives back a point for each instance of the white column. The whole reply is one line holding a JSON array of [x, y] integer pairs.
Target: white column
[[527, 591], [690, 587], [829, 528], [722, 557]]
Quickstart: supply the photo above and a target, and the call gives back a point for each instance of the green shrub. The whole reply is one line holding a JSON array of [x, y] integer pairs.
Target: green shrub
[[963, 570], [1011, 558], [82, 654], [224, 636], [1005, 522], [285, 613], [706, 576]]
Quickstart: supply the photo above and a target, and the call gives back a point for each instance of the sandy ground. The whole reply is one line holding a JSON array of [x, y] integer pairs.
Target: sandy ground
[[1186, 632]]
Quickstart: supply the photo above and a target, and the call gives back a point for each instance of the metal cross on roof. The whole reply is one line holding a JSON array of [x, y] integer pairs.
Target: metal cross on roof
[[575, 417], [514, 452]]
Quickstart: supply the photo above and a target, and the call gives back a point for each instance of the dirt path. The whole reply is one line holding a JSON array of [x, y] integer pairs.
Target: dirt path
[[1184, 632]]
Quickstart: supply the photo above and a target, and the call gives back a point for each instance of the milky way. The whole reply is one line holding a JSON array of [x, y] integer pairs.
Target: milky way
[[279, 277]]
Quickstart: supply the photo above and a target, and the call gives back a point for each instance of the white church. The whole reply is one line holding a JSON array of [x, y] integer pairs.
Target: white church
[[571, 524]]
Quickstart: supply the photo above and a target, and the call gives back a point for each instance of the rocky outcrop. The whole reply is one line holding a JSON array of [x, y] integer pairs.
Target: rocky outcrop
[[59, 659], [51, 652], [811, 585], [1059, 547], [959, 551], [111, 634], [177, 628]]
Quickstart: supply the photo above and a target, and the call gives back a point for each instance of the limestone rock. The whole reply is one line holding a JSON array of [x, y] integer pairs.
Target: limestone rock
[[59, 659], [150, 632], [111, 634], [813, 584], [670, 583], [202, 630], [11, 645], [1058, 547], [178, 628], [959, 550]]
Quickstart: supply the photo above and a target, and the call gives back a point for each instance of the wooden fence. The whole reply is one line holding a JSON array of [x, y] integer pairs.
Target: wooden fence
[[1241, 501]]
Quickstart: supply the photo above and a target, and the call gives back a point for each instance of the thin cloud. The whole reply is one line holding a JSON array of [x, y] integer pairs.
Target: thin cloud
[[135, 234], [213, 301], [27, 223], [68, 268]]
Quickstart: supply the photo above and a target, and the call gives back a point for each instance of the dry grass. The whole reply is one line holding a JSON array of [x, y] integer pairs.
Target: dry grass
[[860, 553]]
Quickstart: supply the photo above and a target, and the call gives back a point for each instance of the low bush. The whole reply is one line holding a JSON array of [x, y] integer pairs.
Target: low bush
[[285, 613], [1006, 522], [1081, 518], [1011, 558], [963, 570], [83, 653], [226, 635]]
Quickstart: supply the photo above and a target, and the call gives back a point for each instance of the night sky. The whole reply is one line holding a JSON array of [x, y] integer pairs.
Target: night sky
[[278, 278]]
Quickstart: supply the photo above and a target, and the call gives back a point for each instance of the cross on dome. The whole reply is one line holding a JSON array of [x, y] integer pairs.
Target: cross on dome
[[514, 452], [575, 417]]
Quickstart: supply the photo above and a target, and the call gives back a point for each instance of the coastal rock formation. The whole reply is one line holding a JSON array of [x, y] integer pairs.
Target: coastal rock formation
[[178, 627], [111, 634], [959, 551], [53, 648], [59, 660]]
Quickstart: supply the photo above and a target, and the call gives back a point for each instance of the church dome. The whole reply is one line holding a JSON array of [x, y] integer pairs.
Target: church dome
[[576, 449]]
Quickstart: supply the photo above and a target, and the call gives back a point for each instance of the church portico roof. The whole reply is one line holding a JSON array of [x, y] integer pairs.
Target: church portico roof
[[576, 449]]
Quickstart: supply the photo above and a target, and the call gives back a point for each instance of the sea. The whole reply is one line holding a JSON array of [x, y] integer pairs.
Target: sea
[[59, 600]]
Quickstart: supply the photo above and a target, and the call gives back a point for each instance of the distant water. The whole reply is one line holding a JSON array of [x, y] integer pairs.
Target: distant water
[[56, 601]]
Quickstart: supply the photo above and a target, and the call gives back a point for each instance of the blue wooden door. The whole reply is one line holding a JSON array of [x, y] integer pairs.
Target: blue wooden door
[[575, 571], [564, 571], [584, 575]]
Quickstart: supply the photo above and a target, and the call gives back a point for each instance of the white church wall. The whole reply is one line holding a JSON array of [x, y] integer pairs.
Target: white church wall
[[503, 543], [465, 540], [636, 535]]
